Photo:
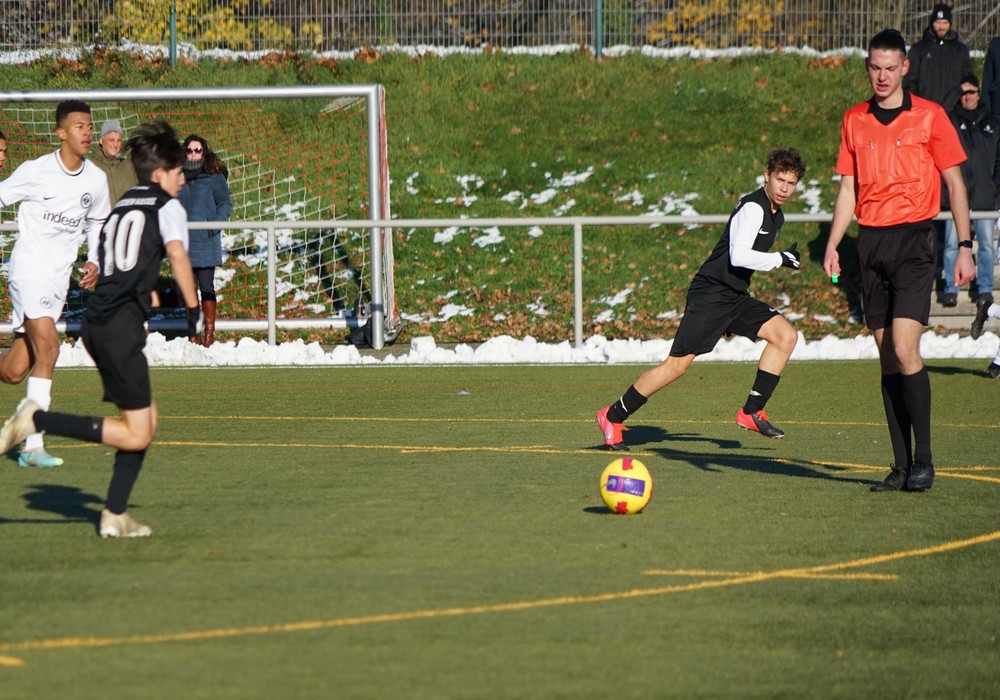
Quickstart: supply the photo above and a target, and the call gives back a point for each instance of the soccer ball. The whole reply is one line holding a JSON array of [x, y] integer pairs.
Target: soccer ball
[[626, 486]]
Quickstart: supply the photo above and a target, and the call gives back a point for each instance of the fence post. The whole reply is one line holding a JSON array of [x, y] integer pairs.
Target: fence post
[[598, 27], [578, 284], [173, 33], [272, 281]]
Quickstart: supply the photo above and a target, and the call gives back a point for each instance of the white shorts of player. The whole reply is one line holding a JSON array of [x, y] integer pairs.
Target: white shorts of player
[[35, 298]]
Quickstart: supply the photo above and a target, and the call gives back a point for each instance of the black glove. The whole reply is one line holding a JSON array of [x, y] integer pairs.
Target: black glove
[[790, 258], [196, 322]]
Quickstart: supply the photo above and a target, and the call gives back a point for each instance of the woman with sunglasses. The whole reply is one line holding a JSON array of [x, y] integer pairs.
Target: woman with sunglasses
[[205, 196]]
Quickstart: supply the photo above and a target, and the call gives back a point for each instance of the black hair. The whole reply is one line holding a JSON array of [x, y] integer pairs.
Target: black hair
[[786, 161], [971, 79], [67, 107], [888, 40], [154, 145]]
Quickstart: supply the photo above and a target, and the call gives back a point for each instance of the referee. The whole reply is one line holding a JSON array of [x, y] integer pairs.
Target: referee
[[895, 149]]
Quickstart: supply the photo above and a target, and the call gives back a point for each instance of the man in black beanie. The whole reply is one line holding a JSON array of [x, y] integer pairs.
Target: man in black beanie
[[938, 61]]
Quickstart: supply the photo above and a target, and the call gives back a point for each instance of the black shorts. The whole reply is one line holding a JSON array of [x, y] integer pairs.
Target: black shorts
[[897, 273], [117, 351], [715, 311]]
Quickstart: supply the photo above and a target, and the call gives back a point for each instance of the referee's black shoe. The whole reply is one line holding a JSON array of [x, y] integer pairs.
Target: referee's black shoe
[[896, 481], [758, 422], [921, 477]]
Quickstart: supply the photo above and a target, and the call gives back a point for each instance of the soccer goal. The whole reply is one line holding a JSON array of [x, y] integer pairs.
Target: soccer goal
[[301, 160]]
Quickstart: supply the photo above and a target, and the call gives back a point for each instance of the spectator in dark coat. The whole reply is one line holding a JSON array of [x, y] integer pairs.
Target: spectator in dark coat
[[991, 79], [205, 196], [979, 133], [938, 61]]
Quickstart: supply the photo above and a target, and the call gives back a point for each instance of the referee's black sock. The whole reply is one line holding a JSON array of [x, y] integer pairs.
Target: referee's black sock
[[898, 419], [630, 402], [763, 387], [127, 466], [917, 394], [87, 428]]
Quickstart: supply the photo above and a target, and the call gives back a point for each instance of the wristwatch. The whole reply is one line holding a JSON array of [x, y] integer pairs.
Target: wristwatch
[[965, 244]]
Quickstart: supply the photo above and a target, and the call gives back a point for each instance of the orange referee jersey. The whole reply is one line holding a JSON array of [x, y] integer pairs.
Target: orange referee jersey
[[897, 166]]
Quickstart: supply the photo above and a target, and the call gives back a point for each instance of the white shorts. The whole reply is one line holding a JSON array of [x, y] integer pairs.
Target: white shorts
[[35, 299]]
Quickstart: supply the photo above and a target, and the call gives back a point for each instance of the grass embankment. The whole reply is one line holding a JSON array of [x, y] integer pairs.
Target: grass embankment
[[486, 135]]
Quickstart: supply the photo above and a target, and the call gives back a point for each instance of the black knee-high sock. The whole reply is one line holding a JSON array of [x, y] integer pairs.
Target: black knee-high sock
[[898, 418], [86, 428], [127, 466], [630, 402], [917, 395], [763, 386]]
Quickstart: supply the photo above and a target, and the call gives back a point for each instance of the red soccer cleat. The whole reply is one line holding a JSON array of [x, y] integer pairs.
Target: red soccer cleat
[[758, 422], [612, 431]]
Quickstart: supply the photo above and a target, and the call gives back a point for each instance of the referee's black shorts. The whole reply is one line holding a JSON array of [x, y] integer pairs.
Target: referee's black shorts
[[897, 272], [117, 351], [715, 311]]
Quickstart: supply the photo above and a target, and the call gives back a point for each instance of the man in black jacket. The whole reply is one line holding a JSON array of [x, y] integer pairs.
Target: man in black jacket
[[938, 61], [979, 133]]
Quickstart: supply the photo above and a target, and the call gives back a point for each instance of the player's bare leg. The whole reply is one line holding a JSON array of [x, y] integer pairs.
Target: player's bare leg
[[16, 363], [664, 374]]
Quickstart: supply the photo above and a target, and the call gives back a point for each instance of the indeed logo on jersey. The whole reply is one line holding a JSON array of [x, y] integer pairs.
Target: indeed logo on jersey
[[57, 217]]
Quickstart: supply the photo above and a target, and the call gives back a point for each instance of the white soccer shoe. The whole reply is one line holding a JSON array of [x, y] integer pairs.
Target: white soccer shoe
[[123, 525], [18, 426]]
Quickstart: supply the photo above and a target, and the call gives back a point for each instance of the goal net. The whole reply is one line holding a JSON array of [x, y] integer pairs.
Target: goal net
[[301, 161]]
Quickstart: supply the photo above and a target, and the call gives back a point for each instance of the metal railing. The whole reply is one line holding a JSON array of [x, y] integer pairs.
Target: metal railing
[[347, 25], [377, 315]]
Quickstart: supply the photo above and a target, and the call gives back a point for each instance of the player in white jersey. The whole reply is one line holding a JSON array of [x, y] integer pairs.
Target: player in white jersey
[[62, 196]]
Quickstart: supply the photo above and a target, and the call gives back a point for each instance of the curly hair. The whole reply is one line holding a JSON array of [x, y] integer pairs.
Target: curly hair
[[786, 161]]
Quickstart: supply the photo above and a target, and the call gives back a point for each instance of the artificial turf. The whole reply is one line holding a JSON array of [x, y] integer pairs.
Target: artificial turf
[[429, 532]]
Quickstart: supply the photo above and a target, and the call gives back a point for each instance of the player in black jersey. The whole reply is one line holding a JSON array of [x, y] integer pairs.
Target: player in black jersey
[[147, 223], [718, 304]]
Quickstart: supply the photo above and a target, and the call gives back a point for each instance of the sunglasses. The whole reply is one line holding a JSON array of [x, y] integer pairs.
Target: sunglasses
[[193, 150], [970, 92]]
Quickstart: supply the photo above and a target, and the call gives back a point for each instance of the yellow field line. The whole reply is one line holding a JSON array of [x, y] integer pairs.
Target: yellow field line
[[312, 625], [727, 574], [452, 419]]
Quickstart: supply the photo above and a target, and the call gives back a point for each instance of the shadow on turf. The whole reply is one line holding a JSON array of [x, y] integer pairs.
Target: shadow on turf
[[68, 501], [641, 435], [952, 371], [644, 434]]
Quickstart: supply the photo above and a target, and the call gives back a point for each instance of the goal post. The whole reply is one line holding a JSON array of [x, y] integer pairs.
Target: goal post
[[305, 156]]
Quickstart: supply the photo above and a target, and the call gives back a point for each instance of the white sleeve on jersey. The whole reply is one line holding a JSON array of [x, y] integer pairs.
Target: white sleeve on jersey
[[174, 223], [99, 212], [20, 185], [743, 232]]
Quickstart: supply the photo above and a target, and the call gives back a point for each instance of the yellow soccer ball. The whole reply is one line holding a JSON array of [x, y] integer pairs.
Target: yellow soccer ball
[[626, 486]]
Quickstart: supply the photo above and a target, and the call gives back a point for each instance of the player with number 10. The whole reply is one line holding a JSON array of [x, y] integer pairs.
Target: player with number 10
[[147, 223]]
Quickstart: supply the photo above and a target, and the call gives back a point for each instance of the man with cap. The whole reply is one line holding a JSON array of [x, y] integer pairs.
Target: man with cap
[[938, 61], [109, 158]]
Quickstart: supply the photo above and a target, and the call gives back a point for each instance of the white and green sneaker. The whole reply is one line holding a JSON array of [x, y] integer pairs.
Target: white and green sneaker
[[18, 426], [38, 457], [123, 525]]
